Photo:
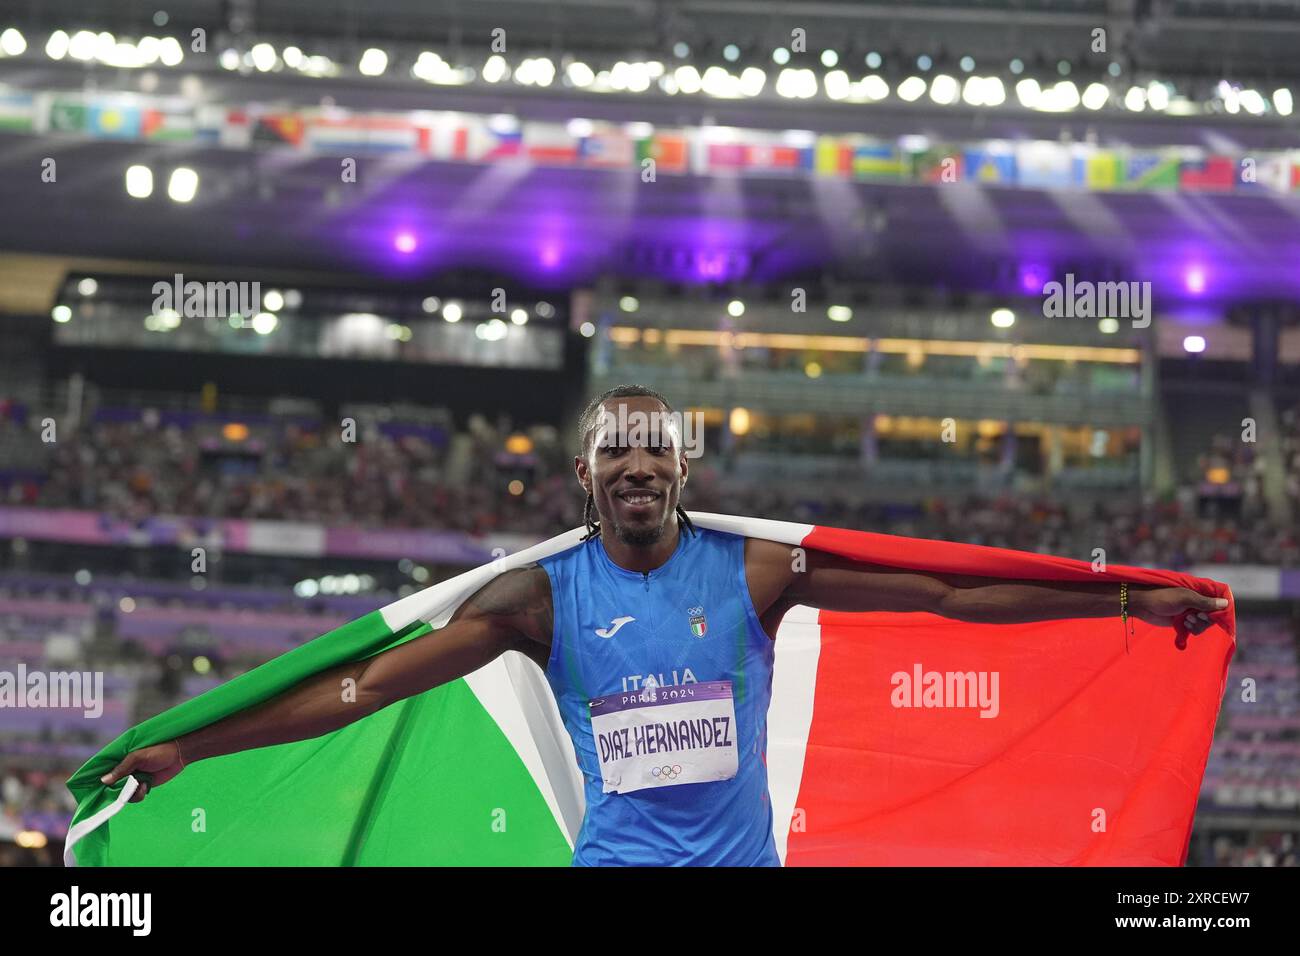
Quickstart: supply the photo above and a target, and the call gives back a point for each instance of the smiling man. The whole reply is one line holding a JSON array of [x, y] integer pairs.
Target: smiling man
[[657, 641]]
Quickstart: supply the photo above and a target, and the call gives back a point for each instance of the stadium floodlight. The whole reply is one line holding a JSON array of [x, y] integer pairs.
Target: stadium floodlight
[[735, 308], [105, 44], [149, 50], [61, 313], [1060, 98], [837, 84], [1028, 92], [170, 52], [688, 78], [629, 303], [731, 53], [973, 91], [263, 57], [373, 62], [519, 316], [780, 56], [1108, 326], [830, 58], [587, 330], [1253, 102], [1282, 102], [874, 88], [431, 304], [87, 286], [183, 184], [873, 60], [139, 182], [911, 89], [82, 45], [1194, 344], [944, 90], [839, 313], [264, 323], [1095, 96], [1158, 96], [544, 310], [1135, 99], [1228, 93], [580, 74], [292, 57], [272, 300], [56, 47], [752, 80], [1003, 318], [681, 50], [229, 59], [452, 312], [718, 82]]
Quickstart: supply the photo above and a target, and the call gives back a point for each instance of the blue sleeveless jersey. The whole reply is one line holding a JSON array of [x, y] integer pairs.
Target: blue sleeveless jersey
[[692, 621]]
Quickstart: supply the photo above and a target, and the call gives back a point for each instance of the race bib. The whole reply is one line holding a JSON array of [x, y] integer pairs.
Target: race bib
[[665, 736]]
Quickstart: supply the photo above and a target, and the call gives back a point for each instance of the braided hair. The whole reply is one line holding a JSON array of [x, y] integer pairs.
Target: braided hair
[[586, 425]]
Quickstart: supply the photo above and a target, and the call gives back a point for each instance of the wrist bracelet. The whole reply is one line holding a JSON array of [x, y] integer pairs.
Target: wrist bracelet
[[1123, 611]]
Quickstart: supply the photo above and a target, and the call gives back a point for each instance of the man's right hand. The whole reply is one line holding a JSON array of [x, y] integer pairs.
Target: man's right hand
[[162, 761]]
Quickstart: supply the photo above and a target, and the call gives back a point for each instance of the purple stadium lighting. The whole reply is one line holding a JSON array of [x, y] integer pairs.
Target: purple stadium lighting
[[405, 242], [1031, 280], [1194, 280]]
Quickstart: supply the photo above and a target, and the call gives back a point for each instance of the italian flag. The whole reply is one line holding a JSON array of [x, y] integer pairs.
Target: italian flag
[[894, 739]]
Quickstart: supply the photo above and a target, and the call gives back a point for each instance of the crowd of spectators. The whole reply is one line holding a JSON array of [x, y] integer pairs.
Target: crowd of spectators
[[468, 481]]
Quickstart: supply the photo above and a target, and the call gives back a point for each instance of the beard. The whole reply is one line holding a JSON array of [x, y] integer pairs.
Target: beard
[[640, 537]]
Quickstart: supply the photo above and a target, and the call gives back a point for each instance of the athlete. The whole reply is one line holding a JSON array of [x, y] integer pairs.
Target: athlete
[[657, 641]]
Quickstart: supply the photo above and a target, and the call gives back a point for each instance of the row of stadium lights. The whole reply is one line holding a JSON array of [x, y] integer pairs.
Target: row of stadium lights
[[716, 81], [273, 301], [1000, 318]]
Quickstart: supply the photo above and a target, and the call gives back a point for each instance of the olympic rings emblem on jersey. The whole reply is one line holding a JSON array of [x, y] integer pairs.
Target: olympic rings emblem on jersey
[[695, 611], [668, 773]]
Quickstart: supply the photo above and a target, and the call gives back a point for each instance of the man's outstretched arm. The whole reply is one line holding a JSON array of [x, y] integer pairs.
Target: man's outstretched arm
[[511, 612], [827, 581]]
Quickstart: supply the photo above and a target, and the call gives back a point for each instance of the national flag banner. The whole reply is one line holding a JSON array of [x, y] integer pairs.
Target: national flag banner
[[879, 161], [550, 143], [114, 120], [938, 164], [283, 129], [1151, 169], [833, 157], [374, 133], [770, 157], [668, 150], [168, 125], [1210, 174], [1100, 169], [67, 116], [610, 148], [18, 112], [1044, 165], [893, 738], [726, 156], [223, 126], [996, 167], [1270, 172]]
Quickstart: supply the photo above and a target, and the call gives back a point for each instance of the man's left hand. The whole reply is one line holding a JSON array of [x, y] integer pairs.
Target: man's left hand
[[1164, 607]]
